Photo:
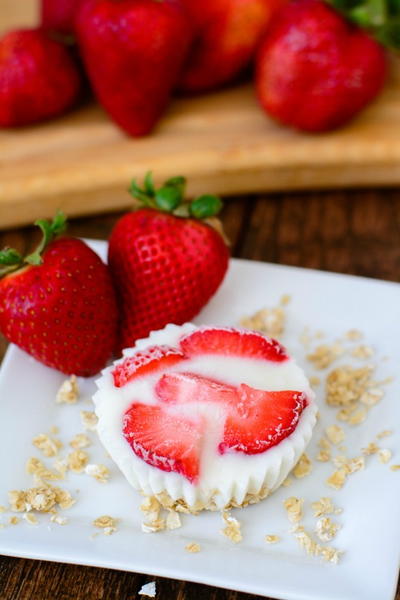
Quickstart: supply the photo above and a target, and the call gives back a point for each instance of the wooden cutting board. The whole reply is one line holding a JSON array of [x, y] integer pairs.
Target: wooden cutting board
[[222, 142]]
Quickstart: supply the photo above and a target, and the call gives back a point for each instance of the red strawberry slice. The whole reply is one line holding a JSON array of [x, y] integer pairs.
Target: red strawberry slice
[[233, 342], [145, 362], [180, 388], [167, 441], [262, 419]]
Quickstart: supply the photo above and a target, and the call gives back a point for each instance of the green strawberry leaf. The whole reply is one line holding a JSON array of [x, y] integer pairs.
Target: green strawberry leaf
[[10, 257], [168, 198], [149, 184], [205, 206]]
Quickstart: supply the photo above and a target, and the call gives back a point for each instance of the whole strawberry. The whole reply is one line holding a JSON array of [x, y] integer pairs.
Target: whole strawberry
[[59, 15], [133, 51], [316, 70], [227, 35], [165, 267], [58, 304], [38, 78]]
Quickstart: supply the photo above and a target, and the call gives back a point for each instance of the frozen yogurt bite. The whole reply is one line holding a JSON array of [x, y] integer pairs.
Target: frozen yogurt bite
[[205, 417]]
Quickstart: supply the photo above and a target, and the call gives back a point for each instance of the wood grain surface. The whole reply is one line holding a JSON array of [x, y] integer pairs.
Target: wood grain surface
[[222, 142], [348, 232]]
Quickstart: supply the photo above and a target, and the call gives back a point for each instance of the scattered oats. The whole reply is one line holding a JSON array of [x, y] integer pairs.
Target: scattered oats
[[35, 467], [323, 456], [232, 529], [148, 589], [81, 440], [345, 385], [68, 392], [49, 446], [314, 549], [384, 456], [150, 507], [354, 464], [384, 433], [372, 396], [173, 520], [61, 465], [337, 479], [372, 448], [314, 380], [107, 524], [326, 529], [31, 518], [14, 520], [288, 482], [272, 539], [303, 467], [58, 519], [354, 335], [344, 413], [54, 429], [285, 299], [77, 460], [335, 434], [324, 506], [395, 468], [342, 448], [305, 338], [2, 509], [100, 472], [270, 321], [293, 507], [324, 355], [193, 547], [89, 420], [41, 499], [63, 498], [153, 526], [357, 417], [362, 352], [17, 500]]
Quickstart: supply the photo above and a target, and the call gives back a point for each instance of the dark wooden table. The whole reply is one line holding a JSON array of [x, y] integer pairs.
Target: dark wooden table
[[354, 232]]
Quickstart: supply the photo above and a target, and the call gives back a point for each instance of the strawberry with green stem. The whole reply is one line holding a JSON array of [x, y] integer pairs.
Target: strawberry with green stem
[[58, 303], [165, 258]]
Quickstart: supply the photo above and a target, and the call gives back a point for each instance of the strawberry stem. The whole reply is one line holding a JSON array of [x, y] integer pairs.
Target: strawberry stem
[[11, 260], [170, 198]]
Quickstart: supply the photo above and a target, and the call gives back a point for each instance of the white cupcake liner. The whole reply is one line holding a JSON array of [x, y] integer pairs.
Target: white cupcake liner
[[234, 477]]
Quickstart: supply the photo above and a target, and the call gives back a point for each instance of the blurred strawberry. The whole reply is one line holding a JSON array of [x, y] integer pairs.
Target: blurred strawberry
[[165, 259], [133, 51], [228, 33], [58, 303], [316, 70], [38, 78], [59, 15]]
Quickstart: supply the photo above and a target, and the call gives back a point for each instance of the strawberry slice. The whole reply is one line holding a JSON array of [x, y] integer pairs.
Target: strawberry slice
[[145, 362], [262, 419], [232, 342], [169, 442], [179, 388]]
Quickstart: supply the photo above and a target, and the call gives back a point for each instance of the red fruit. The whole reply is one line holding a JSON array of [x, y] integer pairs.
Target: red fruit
[[180, 388], [133, 51], [145, 362], [261, 420], [232, 342], [38, 78], [315, 70], [169, 442], [227, 35], [62, 311], [59, 15], [165, 268]]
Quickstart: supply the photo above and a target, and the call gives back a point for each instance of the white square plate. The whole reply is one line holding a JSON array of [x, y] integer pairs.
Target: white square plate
[[370, 499]]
